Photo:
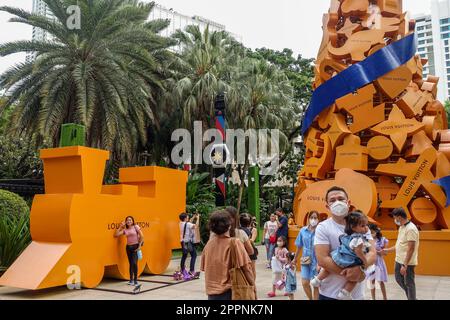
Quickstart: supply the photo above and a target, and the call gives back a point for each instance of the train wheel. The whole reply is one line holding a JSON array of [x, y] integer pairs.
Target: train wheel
[[156, 250], [91, 275]]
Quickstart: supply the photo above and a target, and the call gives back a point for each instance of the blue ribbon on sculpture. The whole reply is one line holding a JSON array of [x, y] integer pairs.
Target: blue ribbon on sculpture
[[445, 183], [358, 75]]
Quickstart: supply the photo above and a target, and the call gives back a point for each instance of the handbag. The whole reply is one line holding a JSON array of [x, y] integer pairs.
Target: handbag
[[273, 239], [188, 246], [241, 289], [306, 260]]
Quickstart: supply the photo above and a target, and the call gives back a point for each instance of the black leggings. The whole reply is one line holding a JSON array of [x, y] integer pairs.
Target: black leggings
[[133, 260], [193, 254]]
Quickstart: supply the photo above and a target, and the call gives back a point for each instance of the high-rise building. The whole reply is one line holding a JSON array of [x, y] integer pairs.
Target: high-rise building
[[39, 7], [181, 21], [177, 21], [433, 32]]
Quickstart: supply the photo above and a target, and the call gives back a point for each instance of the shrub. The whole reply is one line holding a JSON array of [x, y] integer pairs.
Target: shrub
[[19, 159], [14, 237], [12, 204]]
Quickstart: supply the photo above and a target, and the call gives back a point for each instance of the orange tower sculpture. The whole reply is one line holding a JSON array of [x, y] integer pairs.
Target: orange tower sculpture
[[387, 142], [73, 223]]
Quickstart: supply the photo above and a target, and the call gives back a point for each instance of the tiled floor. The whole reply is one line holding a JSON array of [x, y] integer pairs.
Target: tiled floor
[[428, 288]]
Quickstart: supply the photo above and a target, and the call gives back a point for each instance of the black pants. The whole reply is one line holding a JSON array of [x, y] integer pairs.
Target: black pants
[[224, 296], [407, 282], [193, 254], [133, 260]]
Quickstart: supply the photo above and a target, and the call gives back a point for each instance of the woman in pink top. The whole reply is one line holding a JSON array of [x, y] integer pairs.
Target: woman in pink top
[[135, 239]]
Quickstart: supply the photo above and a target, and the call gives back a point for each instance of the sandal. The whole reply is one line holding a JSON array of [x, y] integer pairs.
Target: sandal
[[271, 294]]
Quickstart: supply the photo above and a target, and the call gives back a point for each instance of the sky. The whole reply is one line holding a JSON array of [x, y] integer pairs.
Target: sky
[[295, 24]]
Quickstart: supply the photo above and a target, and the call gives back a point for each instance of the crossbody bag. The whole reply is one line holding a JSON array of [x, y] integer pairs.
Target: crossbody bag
[[307, 260], [187, 245]]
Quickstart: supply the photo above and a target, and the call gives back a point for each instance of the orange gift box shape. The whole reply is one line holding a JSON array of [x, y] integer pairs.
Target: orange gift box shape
[[73, 223]]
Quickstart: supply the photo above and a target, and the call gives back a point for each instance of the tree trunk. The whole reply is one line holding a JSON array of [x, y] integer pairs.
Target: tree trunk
[[241, 186]]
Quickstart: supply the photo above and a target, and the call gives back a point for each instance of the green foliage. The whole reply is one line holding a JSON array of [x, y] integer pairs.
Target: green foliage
[[5, 116], [203, 66], [19, 159], [104, 76], [292, 164], [12, 204], [233, 196], [269, 203], [14, 237], [299, 71], [200, 198]]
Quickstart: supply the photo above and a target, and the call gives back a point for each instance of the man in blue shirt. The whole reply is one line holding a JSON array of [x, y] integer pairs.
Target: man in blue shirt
[[282, 224]]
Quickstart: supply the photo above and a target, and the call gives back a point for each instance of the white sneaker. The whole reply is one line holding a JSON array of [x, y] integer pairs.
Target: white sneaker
[[130, 283], [316, 282], [344, 295]]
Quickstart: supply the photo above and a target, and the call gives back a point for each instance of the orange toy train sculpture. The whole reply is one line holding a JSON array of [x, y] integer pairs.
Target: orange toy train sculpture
[[388, 141], [73, 223]]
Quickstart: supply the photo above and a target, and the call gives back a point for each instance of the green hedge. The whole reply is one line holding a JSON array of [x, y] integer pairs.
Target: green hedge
[[12, 204], [14, 227]]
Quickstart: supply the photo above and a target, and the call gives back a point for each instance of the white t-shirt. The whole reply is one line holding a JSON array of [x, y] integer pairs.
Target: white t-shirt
[[271, 228], [189, 235], [328, 232]]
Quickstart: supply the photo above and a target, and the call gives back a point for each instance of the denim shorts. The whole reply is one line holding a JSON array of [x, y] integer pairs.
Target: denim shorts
[[308, 272]]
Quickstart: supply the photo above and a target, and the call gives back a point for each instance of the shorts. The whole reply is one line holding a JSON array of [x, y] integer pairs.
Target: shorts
[[308, 272], [276, 276]]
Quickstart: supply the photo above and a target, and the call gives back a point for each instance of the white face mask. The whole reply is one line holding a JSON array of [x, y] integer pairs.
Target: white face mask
[[313, 222], [339, 208], [280, 243], [397, 222]]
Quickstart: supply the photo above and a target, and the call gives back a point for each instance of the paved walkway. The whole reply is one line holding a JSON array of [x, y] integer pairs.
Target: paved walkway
[[428, 288]]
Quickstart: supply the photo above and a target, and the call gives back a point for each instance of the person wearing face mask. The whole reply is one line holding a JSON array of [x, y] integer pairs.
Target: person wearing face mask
[[406, 252], [305, 241], [327, 239], [351, 252], [270, 238], [278, 262]]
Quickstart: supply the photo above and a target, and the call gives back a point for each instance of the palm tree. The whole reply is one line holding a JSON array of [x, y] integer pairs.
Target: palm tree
[[103, 75], [203, 68], [260, 97]]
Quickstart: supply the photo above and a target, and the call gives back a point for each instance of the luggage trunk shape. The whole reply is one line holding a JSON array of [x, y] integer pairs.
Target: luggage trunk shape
[[73, 223]]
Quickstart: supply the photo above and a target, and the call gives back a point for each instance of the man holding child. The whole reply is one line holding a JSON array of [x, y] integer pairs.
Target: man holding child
[[327, 241]]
